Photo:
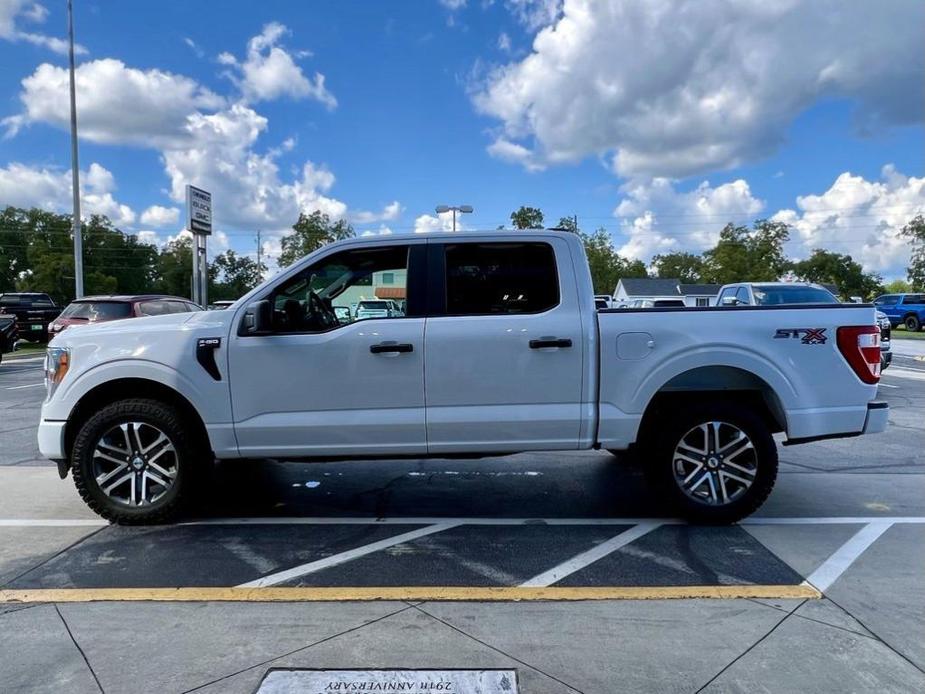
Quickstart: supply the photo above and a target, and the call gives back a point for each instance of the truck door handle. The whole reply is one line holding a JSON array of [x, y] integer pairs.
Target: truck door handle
[[550, 342], [390, 347]]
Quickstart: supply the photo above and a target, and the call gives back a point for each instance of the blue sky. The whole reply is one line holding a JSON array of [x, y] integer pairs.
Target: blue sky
[[659, 121]]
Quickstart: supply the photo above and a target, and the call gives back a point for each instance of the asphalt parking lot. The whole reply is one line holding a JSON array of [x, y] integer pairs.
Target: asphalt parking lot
[[561, 566]]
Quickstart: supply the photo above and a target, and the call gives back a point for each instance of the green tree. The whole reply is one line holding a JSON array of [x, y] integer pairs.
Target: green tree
[[568, 224], [915, 230], [897, 287], [175, 267], [747, 255], [310, 233], [527, 218], [231, 275], [685, 266], [825, 267], [606, 265]]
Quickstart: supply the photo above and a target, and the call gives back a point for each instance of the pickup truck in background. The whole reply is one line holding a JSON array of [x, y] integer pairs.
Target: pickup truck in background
[[500, 351], [9, 333], [33, 311], [903, 309]]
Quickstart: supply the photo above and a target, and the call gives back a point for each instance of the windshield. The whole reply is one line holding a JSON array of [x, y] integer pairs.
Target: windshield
[[774, 295], [97, 310], [374, 305]]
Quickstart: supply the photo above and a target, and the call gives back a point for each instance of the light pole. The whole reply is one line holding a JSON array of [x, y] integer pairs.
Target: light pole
[[75, 171], [462, 209]]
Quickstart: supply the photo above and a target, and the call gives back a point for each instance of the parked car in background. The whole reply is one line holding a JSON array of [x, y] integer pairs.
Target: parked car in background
[[603, 301], [33, 311], [9, 333], [903, 309], [788, 293], [101, 309], [220, 305], [886, 344], [774, 294], [380, 308], [600, 303], [343, 314], [655, 303]]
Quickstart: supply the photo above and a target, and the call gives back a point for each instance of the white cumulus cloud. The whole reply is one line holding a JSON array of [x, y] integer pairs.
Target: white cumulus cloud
[[13, 10], [269, 71], [158, 216], [861, 218], [48, 188], [118, 104], [674, 88], [656, 218]]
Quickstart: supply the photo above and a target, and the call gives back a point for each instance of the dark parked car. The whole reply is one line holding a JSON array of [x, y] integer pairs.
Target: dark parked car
[[33, 311], [9, 333], [98, 309]]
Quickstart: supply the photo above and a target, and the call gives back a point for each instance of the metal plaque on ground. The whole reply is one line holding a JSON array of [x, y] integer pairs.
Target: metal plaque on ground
[[379, 681]]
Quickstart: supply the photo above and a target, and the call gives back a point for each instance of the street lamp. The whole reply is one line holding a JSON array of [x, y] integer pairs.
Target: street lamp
[[462, 209]]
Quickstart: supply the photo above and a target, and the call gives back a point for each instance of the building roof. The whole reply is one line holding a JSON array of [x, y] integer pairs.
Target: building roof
[[699, 289], [648, 286]]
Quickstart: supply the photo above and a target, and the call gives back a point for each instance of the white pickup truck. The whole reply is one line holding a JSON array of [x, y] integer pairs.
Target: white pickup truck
[[500, 350]]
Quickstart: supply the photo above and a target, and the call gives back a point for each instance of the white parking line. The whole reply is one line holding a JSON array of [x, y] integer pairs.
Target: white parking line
[[31, 385], [349, 555], [886, 385], [900, 372], [833, 567], [580, 561]]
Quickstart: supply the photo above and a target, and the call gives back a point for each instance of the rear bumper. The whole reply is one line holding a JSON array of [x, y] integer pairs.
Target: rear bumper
[[875, 422], [878, 414], [51, 439]]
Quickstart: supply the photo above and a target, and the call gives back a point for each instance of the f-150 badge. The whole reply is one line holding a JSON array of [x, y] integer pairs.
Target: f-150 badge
[[808, 336]]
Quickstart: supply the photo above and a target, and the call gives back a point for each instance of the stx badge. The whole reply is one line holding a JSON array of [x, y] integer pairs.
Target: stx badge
[[808, 336]]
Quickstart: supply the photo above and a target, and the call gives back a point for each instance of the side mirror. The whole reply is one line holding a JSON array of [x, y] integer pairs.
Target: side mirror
[[730, 301], [258, 319]]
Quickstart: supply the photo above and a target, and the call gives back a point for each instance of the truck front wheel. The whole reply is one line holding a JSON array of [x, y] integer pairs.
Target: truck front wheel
[[717, 461], [133, 461]]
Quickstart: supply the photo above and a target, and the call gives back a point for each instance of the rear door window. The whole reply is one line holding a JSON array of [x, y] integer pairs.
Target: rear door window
[[500, 278], [914, 299], [153, 308]]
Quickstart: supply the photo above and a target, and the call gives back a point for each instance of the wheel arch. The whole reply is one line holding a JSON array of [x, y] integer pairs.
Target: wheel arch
[[696, 384], [123, 388]]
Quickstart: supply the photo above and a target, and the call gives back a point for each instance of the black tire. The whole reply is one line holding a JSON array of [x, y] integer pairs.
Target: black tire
[[673, 428], [912, 323], [171, 423]]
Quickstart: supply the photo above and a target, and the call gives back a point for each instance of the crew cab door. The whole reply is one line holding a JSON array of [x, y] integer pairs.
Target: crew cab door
[[503, 347], [319, 386]]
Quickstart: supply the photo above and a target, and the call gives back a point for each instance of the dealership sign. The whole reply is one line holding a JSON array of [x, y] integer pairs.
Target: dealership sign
[[199, 211]]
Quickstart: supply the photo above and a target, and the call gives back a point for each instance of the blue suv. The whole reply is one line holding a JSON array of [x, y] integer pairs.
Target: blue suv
[[907, 309]]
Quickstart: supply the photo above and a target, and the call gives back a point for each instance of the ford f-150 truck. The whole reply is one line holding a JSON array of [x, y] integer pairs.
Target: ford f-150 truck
[[500, 350]]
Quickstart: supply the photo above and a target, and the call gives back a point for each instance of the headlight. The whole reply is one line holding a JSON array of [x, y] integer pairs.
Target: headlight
[[57, 362]]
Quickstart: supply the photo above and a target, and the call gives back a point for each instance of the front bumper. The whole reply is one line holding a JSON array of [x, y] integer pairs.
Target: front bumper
[[51, 439], [878, 414]]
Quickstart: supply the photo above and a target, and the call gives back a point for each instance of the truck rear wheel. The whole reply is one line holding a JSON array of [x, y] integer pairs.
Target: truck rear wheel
[[912, 323], [717, 461], [133, 461]]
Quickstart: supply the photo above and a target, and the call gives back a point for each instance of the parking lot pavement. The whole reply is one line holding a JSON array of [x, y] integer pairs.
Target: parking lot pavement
[[845, 517]]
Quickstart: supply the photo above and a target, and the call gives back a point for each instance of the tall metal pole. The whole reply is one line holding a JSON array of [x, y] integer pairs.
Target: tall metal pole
[[204, 269], [75, 169], [259, 250]]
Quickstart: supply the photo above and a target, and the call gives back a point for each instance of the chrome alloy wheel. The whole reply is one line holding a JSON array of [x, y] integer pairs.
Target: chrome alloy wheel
[[715, 463], [135, 463]]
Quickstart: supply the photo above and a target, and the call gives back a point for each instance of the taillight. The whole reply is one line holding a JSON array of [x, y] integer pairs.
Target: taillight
[[860, 346]]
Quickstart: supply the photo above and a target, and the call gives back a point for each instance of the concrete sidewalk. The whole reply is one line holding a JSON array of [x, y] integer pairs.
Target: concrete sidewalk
[[626, 646]]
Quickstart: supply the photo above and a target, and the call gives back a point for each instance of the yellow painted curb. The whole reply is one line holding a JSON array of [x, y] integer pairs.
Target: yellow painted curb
[[453, 593]]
